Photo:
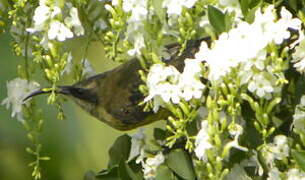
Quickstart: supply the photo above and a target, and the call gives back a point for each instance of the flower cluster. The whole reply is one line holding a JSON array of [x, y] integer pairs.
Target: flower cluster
[[167, 84], [17, 90], [150, 166], [47, 19], [246, 46]]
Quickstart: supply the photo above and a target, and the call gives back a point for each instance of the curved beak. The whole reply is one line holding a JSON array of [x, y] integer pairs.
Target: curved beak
[[60, 90], [35, 93]]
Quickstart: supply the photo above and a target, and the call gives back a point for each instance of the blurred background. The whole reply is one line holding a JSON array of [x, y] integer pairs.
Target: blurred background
[[76, 144]]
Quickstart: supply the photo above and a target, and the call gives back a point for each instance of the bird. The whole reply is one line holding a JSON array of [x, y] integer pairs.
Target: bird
[[113, 96]]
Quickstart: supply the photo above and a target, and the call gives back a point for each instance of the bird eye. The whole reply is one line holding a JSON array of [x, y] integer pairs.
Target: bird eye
[[125, 111]]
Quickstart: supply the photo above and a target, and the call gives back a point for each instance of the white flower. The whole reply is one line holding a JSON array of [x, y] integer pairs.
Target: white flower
[[190, 84], [169, 92], [73, 21], [138, 9], [88, 70], [262, 85], [281, 147], [278, 150], [295, 174], [299, 57], [17, 90], [59, 31], [137, 143], [202, 142], [138, 45], [274, 174], [158, 86], [42, 15], [150, 166], [286, 17], [190, 88], [174, 7], [167, 84]]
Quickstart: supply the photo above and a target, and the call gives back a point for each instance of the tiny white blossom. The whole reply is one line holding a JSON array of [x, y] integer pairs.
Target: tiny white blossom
[[295, 174], [138, 9], [73, 21], [189, 82], [202, 143], [88, 70], [299, 57], [191, 88], [278, 150], [150, 166], [174, 7], [281, 147], [59, 31], [262, 85], [158, 86], [138, 45], [17, 90], [42, 14], [166, 83], [137, 143]]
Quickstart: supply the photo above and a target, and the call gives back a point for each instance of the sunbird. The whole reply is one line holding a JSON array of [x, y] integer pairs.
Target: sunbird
[[113, 96]]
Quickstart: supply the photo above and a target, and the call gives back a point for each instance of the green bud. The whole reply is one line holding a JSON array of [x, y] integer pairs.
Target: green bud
[[44, 158], [273, 103], [182, 31], [257, 126], [271, 130], [30, 137], [264, 119], [30, 151], [189, 19]]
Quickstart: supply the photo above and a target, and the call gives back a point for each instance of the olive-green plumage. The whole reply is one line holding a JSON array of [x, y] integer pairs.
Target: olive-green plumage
[[113, 96]]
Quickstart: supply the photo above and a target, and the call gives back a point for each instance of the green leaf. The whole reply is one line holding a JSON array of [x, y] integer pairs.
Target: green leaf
[[293, 4], [109, 174], [164, 173], [126, 173], [180, 162], [244, 6], [299, 157], [90, 175], [217, 19], [120, 150]]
